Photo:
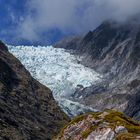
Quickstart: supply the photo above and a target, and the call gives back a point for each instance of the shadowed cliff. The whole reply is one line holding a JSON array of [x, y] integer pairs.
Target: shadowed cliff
[[28, 110]]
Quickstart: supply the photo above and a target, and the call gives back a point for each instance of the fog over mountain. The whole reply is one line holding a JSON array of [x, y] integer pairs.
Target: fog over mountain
[[73, 16], [43, 22]]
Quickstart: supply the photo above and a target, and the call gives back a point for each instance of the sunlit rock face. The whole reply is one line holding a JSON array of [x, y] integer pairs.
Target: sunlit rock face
[[60, 71]]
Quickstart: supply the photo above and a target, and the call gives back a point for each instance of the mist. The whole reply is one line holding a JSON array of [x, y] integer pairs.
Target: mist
[[73, 16]]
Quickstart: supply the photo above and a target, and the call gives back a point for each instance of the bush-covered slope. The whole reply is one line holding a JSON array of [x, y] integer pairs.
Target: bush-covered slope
[[107, 125]]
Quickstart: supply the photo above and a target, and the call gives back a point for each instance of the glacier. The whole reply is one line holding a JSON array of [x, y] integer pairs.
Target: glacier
[[59, 70]]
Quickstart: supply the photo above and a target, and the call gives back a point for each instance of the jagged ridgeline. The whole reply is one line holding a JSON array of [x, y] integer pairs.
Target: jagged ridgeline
[[28, 110], [113, 50]]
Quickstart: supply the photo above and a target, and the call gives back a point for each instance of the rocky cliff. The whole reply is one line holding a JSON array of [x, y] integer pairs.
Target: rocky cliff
[[114, 51], [28, 110], [108, 125], [112, 47]]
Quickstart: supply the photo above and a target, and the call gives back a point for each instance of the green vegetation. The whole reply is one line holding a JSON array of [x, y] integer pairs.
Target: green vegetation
[[118, 118], [126, 136], [112, 119], [86, 133], [78, 118]]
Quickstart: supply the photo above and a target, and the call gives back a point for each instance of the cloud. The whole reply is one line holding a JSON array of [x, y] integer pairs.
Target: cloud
[[75, 16], [121, 10]]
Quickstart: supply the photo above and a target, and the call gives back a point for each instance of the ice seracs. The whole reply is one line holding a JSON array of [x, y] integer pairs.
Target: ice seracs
[[57, 69]]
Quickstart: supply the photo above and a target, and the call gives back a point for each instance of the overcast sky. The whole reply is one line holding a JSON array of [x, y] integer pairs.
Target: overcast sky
[[47, 21]]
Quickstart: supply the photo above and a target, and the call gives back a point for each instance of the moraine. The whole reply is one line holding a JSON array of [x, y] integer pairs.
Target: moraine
[[60, 71]]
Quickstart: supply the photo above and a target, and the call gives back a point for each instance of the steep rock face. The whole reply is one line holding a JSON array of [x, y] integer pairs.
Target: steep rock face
[[28, 110], [108, 125], [113, 50], [109, 48], [69, 42]]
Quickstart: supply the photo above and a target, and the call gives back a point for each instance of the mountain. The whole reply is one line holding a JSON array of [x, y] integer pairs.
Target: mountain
[[113, 50], [107, 125], [28, 110]]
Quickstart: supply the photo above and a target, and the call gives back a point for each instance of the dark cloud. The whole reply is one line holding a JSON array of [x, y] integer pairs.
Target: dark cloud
[[75, 16]]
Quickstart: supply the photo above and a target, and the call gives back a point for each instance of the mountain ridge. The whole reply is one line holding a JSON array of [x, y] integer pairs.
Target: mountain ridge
[[27, 108], [112, 50]]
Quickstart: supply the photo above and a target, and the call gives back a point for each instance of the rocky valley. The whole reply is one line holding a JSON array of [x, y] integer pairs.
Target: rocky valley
[[69, 69], [98, 72], [59, 70]]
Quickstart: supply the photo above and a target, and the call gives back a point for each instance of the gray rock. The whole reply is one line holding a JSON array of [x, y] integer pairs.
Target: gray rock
[[113, 50]]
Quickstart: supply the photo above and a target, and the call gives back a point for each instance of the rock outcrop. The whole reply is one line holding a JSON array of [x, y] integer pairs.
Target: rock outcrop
[[108, 125], [28, 110]]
